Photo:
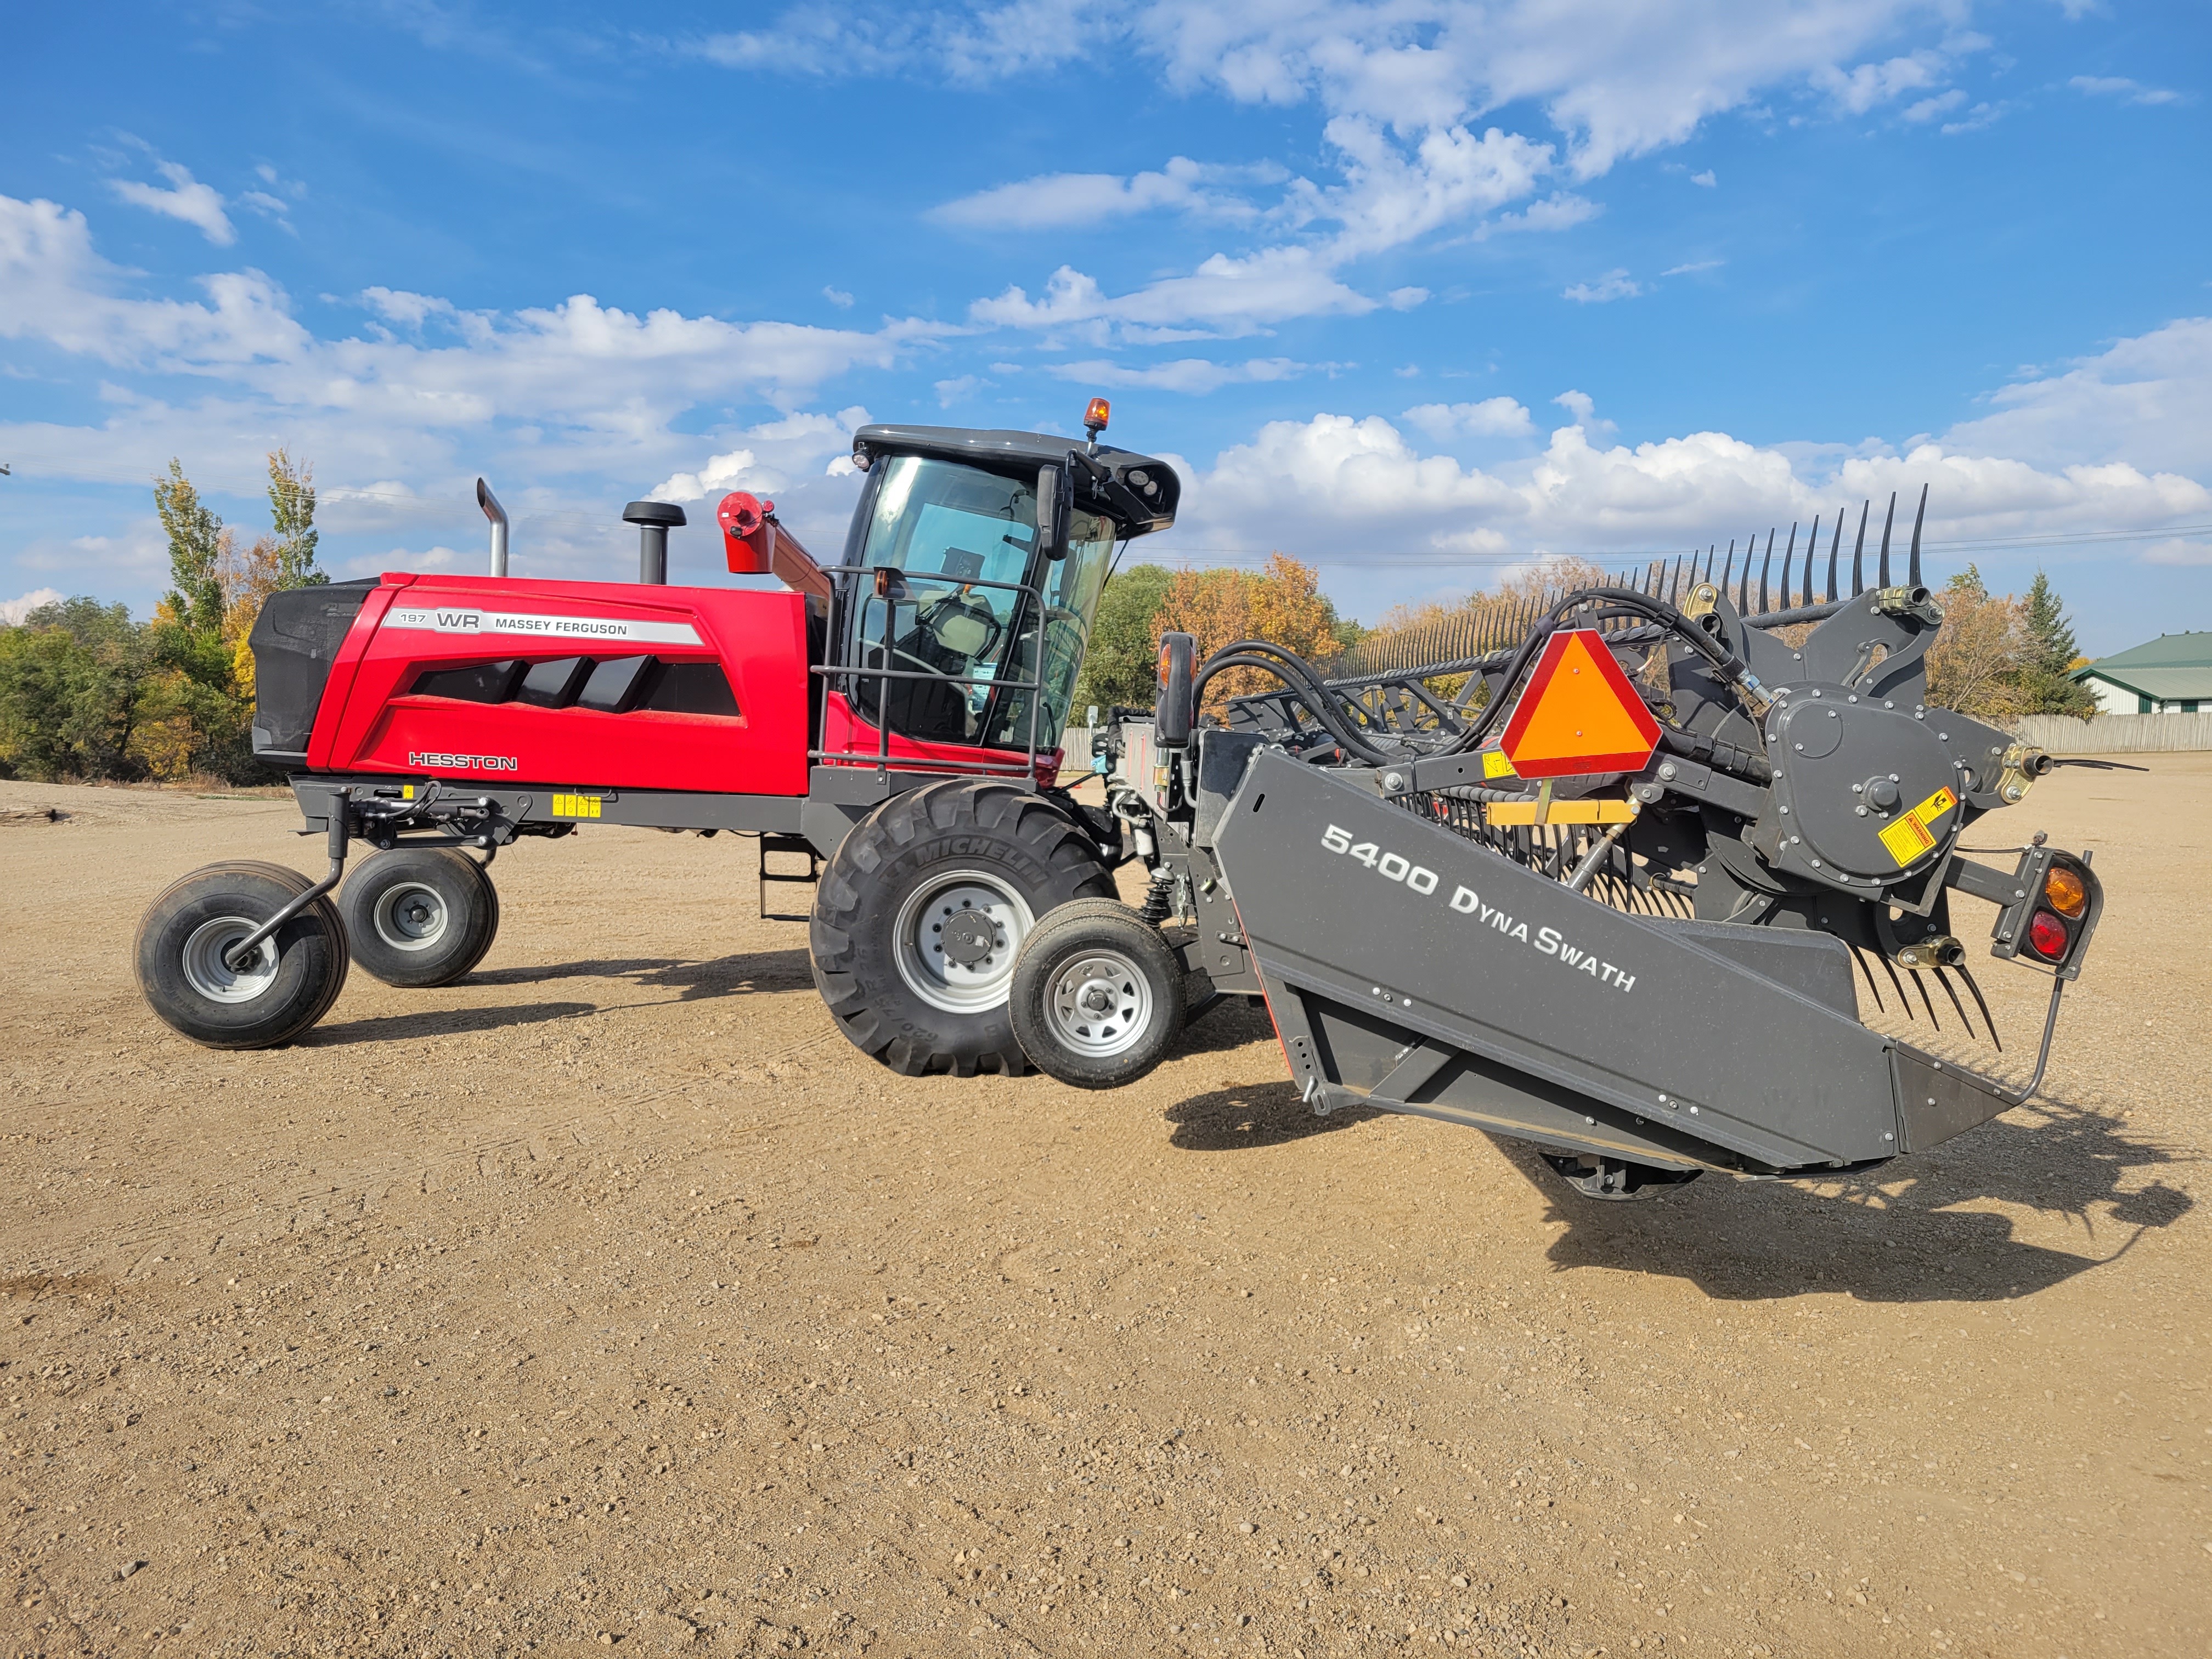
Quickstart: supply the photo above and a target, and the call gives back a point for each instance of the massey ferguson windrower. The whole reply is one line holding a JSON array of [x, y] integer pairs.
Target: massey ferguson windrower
[[1601, 881], [898, 714]]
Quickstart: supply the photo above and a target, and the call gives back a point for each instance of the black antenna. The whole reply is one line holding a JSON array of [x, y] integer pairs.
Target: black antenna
[[1912, 566], [1835, 547], [1888, 519], [1765, 565]]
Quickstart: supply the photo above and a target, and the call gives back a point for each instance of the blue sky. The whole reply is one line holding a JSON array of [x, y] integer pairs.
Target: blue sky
[[1418, 289]]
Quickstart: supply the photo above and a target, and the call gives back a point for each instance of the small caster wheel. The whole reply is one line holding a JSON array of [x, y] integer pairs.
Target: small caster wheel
[[1615, 1179], [1097, 995], [419, 915], [288, 983]]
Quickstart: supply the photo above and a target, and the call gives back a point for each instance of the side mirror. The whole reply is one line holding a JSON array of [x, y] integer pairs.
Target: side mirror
[[1173, 715], [1051, 534]]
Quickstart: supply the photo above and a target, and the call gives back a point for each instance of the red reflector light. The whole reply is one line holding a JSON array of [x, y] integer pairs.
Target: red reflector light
[[2046, 936], [2065, 892]]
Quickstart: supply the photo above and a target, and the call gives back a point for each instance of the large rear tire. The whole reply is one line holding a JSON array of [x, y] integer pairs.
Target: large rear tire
[[1098, 994], [419, 915], [290, 983], [919, 914]]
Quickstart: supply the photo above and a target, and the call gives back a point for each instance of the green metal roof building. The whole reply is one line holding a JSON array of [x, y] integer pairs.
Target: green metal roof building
[[2171, 675]]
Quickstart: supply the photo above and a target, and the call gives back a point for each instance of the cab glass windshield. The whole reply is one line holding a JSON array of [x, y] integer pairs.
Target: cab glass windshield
[[966, 540]]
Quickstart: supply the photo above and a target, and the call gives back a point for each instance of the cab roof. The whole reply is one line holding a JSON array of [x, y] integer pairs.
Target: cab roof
[[1138, 492]]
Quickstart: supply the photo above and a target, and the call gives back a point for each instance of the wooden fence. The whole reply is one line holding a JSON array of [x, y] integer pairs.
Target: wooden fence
[[2115, 734]]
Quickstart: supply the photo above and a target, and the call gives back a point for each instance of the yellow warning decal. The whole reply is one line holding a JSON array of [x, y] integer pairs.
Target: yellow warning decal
[[1913, 835], [576, 807], [1495, 765]]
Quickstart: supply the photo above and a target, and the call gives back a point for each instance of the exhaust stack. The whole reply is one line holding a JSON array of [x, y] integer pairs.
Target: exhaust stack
[[653, 520], [497, 515]]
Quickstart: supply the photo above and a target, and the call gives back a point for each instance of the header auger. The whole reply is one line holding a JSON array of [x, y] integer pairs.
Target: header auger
[[1606, 874]]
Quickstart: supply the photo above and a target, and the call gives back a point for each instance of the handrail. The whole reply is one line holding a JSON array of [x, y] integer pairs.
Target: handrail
[[885, 674]]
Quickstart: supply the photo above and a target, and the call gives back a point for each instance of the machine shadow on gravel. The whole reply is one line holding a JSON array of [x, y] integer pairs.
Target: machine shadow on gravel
[[1261, 1115], [759, 971], [1763, 1240], [439, 1022]]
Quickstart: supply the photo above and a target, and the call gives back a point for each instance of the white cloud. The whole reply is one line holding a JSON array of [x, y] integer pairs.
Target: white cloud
[[2178, 550], [585, 393], [1693, 270], [196, 203], [1055, 200], [1614, 285], [1928, 108], [1341, 482], [1705, 178], [1493, 417], [838, 297], [407, 310], [2127, 91], [1222, 297], [2147, 400], [1404, 88], [1191, 374], [958, 390], [1858, 90], [12, 611], [1982, 115]]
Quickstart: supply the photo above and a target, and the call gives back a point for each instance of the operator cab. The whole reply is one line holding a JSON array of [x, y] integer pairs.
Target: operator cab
[[976, 622]]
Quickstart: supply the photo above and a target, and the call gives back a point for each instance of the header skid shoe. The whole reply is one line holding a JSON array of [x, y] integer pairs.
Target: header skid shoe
[[1408, 968]]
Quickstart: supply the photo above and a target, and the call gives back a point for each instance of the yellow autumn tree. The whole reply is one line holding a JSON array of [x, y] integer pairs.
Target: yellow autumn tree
[[1282, 604]]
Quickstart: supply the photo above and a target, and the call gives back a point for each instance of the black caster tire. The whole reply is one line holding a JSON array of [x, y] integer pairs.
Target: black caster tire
[[1615, 1181], [1098, 996], [418, 916], [294, 978], [919, 915]]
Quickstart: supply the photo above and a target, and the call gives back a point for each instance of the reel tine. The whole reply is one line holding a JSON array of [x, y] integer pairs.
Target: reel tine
[[1896, 984], [1944, 980], [1765, 566], [1888, 519], [1788, 554], [1834, 547], [1925, 1000], [1858, 551], [1727, 568], [1991, 1025], [1859, 957], [1913, 561]]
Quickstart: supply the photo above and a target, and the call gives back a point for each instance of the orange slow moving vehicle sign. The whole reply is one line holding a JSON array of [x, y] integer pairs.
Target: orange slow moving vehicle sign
[[1579, 713]]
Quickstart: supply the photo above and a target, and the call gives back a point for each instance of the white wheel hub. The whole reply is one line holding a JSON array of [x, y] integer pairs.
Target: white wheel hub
[[410, 915], [956, 936], [206, 971], [1100, 1004]]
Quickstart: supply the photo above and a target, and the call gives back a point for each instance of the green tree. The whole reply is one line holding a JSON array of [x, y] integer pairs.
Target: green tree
[[73, 685], [2046, 685], [292, 511], [198, 546], [1119, 664]]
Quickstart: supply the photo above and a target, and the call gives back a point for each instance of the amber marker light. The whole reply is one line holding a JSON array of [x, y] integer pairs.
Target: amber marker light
[[2065, 891]]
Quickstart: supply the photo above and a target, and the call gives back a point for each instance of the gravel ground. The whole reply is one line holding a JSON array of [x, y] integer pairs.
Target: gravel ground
[[608, 1299]]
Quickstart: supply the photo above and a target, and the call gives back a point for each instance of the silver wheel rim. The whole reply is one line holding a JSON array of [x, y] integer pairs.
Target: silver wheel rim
[[207, 973], [410, 915], [1100, 1004], [969, 900]]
